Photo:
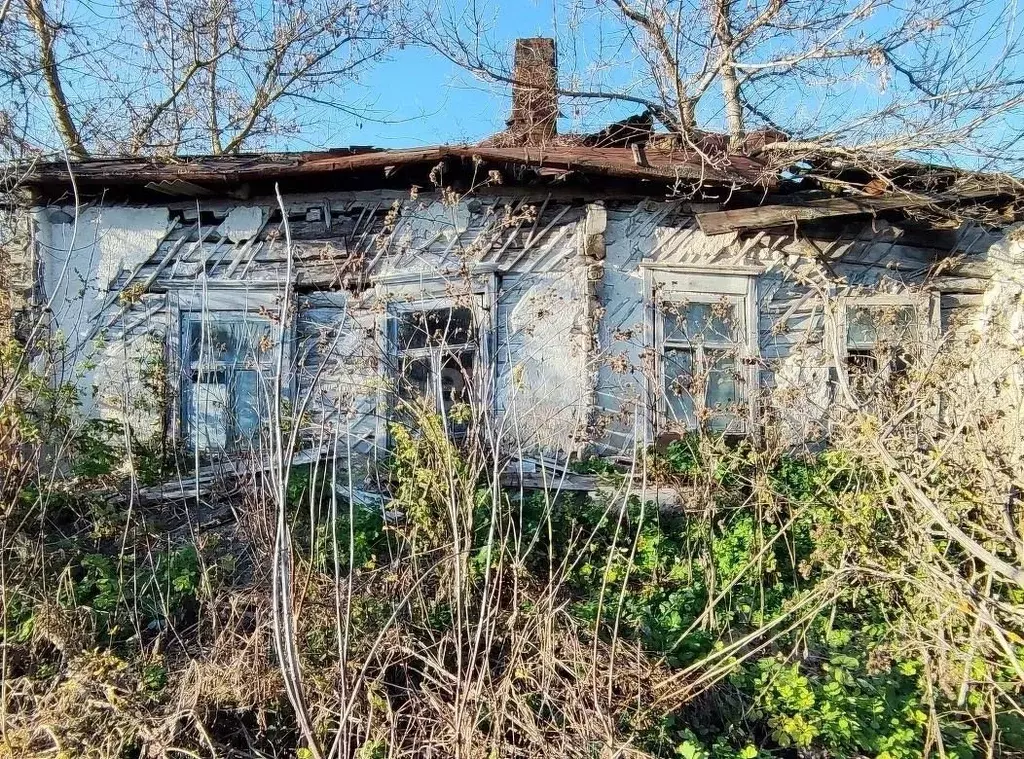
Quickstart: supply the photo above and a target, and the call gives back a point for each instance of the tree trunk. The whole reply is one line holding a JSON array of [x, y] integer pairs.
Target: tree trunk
[[730, 81], [51, 75]]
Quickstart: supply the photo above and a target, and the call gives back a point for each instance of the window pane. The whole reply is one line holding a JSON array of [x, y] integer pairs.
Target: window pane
[[724, 381], [701, 321], [226, 338], [456, 378], [222, 400], [862, 361], [679, 386], [246, 406], [414, 380], [420, 329], [868, 325], [209, 404]]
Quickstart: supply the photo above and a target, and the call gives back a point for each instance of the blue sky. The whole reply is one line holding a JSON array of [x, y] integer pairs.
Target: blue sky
[[424, 99], [417, 97]]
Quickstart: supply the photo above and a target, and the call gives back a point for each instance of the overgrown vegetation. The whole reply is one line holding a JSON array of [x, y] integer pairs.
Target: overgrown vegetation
[[711, 598], [775, 609]]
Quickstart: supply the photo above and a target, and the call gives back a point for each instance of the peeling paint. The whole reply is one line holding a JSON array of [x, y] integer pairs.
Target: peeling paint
[[242, 223], [79, 263], [545, 391], [802, 395], [565, 297], [1004, 298], [126, 237]]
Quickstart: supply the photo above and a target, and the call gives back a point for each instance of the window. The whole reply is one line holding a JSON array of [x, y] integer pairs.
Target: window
[[703, 332], [880, 337], [436, 354], [227, 358]]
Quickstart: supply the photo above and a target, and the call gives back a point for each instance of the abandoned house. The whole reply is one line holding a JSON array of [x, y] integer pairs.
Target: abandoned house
[[565, 295]]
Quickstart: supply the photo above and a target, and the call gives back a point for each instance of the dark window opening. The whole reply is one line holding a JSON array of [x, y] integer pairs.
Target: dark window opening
[[436, 353], [880, 340]]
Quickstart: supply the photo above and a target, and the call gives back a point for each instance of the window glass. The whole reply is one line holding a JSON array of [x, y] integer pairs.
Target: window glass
[[868, 325], [724, 382], [414, 382], [679, 385], [448, 326], [702, 372], [708, 322], [880, 340], [227, 357], [225, 338], [456, 377]]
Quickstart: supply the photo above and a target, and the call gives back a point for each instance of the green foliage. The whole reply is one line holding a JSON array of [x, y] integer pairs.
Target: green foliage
[[683, 456], [428, 473], [836, 690], [160, 588], [839, 704], [596, 465], [99, 448], [363, 534], [375, 749], [18, 621], [154, 677]]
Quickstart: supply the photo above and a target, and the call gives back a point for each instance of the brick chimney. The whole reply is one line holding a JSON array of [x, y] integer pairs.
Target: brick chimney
[[534, 99]]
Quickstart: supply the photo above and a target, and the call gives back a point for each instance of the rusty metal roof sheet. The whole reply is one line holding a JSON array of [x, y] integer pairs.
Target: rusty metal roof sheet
[[167, 173]]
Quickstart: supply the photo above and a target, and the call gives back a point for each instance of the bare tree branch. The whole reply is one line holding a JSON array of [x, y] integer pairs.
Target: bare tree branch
[[51, 75]]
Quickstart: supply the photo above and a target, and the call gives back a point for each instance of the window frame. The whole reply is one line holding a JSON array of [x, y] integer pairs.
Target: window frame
[[436, 354], [738, 285], [435, 294], [209, 302], [927, 308]]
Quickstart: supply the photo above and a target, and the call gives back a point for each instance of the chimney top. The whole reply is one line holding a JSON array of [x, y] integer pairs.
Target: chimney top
[[534, 96]]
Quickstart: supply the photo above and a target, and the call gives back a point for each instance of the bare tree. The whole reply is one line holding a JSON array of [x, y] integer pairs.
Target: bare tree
[[144, 76], [916, 77]]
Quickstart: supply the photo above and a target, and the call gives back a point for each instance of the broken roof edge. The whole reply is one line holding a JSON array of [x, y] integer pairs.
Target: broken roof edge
[[780, 215], [664, 166]]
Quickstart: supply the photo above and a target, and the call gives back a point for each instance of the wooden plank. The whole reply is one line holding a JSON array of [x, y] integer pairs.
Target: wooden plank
[[968, 285], [550, 481], [764, 217]]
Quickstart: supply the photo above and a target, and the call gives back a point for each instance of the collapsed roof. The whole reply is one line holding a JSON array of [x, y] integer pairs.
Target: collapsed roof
[[755, 187], [202, 175]]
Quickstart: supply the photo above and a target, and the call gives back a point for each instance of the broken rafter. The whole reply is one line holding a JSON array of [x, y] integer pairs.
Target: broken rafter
[[766, 217]]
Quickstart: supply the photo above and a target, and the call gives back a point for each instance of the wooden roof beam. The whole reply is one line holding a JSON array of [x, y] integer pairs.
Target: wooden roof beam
[[766, 217]]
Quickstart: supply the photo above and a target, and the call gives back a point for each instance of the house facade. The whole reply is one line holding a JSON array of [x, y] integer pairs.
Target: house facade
[[556, 299]]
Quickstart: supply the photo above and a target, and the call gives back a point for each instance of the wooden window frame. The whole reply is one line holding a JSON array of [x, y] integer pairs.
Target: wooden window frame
[[690, 284], [408, 294], [926, 307], [210, 301]]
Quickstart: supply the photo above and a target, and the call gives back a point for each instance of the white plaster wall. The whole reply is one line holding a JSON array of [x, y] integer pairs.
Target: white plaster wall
[[544, 391], [242, 223], [993, 385], [79, 262], [620, 415]]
